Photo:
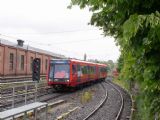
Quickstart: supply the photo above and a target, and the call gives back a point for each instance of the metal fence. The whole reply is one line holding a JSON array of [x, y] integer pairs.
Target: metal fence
[[17, 93]]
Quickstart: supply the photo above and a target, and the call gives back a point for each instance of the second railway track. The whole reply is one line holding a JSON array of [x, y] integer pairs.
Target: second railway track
[[122, 101], [100, 105], [95, 114]]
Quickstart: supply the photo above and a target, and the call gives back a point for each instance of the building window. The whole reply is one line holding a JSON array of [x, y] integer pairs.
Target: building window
[[46, 64], [0, 56], [31, 62], [11, 61], [22, 62]]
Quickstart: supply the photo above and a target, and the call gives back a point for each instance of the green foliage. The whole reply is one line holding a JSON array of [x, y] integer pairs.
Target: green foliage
[[136, 26], [120, 63]]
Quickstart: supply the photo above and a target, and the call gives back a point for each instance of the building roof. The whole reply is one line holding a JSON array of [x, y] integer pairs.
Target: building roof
[[27, 47]]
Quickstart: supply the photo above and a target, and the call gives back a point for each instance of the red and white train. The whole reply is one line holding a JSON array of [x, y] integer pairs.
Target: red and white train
[[72, 73]]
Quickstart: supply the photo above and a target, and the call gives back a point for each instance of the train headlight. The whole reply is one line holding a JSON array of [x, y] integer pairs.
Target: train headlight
[[67, 80]]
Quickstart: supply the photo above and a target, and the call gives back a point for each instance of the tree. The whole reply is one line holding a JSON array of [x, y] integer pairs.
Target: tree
[[136, 26], [120, 63], [110, 66]]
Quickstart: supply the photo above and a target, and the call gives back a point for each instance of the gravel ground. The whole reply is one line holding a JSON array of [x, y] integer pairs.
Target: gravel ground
[[83, 99], [98, 94], [86, 100], [108, 111]]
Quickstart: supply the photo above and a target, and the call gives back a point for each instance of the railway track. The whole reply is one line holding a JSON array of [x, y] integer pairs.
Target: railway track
[[122, 101], [102, 104]]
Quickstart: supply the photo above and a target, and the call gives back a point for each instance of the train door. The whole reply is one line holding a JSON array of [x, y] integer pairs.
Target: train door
[[74, 73]]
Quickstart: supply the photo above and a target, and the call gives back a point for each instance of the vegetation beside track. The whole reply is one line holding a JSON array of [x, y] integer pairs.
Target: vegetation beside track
[[121, 83]]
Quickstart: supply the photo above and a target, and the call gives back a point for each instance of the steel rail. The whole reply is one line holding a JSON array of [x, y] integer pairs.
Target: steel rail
[[104, 100], [122, 104], [100, 105]]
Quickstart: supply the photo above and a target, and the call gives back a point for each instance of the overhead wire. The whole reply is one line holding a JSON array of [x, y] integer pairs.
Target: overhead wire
[[43, 33], [64, 50]]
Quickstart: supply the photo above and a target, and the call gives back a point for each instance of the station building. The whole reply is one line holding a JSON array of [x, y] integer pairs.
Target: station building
[[16, 60]]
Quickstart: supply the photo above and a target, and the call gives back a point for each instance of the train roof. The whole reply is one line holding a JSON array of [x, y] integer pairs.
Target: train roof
[[80, 61], [27, 47]]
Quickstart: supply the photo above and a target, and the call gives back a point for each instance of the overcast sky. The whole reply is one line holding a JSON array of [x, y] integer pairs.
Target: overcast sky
[[49, 25]]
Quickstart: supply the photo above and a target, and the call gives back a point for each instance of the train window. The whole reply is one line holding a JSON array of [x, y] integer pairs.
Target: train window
[[11, 61], [79, 71], [89, 69], [84, 69], [22, 62], [61, 71], [100, 69], [94, 69], [74, 69], [103, 69], [78, 68]]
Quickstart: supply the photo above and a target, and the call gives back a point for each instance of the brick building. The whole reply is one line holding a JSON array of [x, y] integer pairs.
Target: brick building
[[16, 60]]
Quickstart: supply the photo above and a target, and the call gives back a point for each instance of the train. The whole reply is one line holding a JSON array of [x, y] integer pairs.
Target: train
[[71, 73]]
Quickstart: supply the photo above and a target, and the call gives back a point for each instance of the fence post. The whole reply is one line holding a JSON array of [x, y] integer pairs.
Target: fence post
[[26, 93], [36, 91], [13, 94], [46, 112]]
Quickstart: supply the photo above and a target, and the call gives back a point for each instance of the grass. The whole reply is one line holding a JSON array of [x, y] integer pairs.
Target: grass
[[122, 83], [86, 97]]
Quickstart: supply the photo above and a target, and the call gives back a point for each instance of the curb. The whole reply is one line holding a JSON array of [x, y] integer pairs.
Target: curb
[[64, 115], [29, 113]]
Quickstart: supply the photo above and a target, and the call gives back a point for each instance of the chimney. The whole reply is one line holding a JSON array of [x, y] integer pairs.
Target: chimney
[[20, 42]]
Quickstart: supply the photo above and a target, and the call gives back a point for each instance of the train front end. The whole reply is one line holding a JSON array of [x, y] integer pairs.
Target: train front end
[[59, 74]]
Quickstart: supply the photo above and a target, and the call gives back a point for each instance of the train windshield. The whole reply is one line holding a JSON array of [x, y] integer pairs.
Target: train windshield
[[59, 71]]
